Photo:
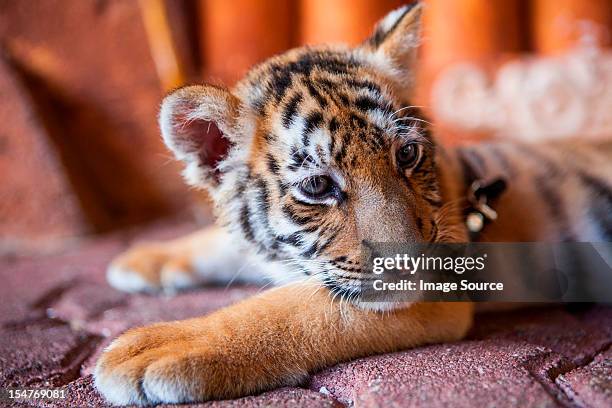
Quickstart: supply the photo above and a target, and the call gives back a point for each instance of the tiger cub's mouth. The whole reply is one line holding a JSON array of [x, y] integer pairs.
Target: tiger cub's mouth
[[352, 283], [353, 294]]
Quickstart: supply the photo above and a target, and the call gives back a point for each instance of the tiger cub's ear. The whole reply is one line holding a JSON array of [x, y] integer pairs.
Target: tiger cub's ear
[[397, 36], [199, 124]]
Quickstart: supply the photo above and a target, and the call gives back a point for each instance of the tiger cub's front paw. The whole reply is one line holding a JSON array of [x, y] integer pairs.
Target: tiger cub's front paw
[[161, 363], [151, 268]]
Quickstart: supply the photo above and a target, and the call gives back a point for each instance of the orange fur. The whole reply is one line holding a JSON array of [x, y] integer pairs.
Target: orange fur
[[269, 340]]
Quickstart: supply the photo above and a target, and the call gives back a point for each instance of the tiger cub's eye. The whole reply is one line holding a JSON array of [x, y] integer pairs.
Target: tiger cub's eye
[[408, 155], [316, 186]]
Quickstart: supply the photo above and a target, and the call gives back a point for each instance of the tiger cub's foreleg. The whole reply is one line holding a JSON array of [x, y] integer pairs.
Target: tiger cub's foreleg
[[269, 340], [205, 256]]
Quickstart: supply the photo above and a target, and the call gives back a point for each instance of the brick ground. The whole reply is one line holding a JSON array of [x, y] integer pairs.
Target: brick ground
[[57, 313]]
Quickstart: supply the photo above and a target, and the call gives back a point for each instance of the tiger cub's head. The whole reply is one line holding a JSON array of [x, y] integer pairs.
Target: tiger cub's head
[[316, 151]]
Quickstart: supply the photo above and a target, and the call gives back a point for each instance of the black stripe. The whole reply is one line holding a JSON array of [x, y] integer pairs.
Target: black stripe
[[358, 120], [245, 223], [359, 84], [291, 109], [600, 203], [281, 80], [310, 251], [546, 182], [333, 125], [552, 169], [279, 76], [433, 201], [259, 105], [294, 239], [419, 223], [327, 84], [332, 143], [347, 268], [341, 151], [313, 121], [282, 187], [294, 217], [328, 242], [272, 164], [263, 208], [264, 196], [502, 159], [381, 35], [315, 94], [365, 104], [473, 164], [598, 186], [376, 135], [270, 137]]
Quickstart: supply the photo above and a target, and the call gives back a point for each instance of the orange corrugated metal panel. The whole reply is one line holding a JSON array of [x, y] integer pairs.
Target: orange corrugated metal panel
[[562, 24], [484, 32], [346, 21], [467, 30], [239, 33]]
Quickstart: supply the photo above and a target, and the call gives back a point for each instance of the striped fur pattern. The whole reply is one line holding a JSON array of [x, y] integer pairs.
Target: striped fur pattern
[[327, 111], [344, 114], [558, 191]]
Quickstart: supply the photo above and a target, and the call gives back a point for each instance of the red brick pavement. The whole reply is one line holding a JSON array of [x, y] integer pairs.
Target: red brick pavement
[[57, 312]]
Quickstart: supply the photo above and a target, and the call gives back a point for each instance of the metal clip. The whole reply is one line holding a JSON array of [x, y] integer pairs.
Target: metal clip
[[480, 203], [487, 211]]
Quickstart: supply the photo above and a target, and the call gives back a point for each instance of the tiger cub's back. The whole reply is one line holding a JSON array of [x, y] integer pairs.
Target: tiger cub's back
[[557, 190]]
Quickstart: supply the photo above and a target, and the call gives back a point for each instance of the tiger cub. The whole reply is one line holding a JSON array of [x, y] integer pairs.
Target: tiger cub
[[312, 153]]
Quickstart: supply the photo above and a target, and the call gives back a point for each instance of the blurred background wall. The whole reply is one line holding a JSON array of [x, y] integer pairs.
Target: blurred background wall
[[81, 80]]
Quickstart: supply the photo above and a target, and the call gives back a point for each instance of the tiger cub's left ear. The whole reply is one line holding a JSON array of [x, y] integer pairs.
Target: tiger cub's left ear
[[397, 36], [199, 124]]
